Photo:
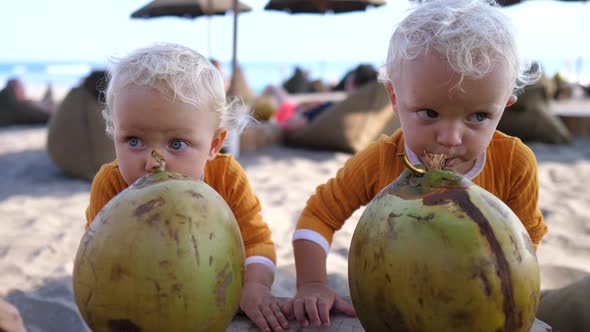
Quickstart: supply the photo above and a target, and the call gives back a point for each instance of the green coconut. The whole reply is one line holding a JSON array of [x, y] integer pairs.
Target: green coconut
[[165, 254], [435, 252]]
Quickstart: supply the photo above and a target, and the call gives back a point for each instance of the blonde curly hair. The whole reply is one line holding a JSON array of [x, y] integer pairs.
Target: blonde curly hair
[[179, 73], [473, 35]]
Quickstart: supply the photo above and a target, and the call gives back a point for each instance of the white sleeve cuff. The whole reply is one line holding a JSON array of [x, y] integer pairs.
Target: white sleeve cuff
[[262, 260], [313, 236]]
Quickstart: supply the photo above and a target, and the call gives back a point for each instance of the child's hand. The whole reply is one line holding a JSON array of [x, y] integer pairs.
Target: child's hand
[[10, 320], [314, 300], [262, 307]]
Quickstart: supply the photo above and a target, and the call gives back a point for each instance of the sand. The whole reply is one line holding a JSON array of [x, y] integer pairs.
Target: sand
[[42, 219]]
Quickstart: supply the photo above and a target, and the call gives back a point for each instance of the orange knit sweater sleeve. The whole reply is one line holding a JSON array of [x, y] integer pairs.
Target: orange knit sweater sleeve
[[228, 178], [107, 183], [523, 191], [510, 173], [354, 185]]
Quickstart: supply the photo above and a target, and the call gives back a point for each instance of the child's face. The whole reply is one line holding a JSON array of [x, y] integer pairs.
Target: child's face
[[436, 116], [144, 120]]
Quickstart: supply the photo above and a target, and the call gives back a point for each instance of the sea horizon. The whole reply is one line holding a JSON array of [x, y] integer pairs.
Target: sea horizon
[[259, 74]]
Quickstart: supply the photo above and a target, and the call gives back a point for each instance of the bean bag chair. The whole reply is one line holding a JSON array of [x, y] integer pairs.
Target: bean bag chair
[[530, 118], [349, 125], [18, 112], [77, 141], [567, 309], [241, 88], [257, 136]]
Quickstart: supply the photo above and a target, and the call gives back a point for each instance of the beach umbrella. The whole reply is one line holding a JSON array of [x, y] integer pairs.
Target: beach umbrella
[[187, 8], [193, 9], [321, 6]]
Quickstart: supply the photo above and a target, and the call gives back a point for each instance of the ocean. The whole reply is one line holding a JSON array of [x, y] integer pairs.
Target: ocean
[[258, 74], [66, 74]]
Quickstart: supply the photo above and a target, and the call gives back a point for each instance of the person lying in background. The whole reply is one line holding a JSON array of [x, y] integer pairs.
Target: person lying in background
[[293, 116], [17, 109], [361, 74]]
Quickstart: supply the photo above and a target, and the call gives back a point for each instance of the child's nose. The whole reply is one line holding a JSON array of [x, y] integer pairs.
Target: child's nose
[[449, 136], [150, 162]]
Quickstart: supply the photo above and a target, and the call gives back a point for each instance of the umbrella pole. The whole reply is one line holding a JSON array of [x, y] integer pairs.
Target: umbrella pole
[[234, 65], [209, 9], [209, 37]]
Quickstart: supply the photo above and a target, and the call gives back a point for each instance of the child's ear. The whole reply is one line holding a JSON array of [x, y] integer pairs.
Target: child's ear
[[391, 93], [511, 100], [217, 143]]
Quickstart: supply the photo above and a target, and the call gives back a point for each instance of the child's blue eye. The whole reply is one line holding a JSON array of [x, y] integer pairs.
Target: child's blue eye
[[428, 114], [478, 117], [135, 142], [177, 145]]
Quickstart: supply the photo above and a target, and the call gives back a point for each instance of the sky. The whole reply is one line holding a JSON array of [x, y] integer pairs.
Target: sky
[[551, 31]]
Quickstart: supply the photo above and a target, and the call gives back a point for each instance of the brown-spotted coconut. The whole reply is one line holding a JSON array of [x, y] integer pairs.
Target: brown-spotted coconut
[[435, 252], [165, 254]]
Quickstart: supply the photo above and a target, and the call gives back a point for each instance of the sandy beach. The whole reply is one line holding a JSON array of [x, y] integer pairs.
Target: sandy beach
[[42, 219]]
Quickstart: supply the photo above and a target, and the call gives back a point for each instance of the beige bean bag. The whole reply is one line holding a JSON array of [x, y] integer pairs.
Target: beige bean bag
[[349, 125], [241, 88], [76, 141], [567, 309], [530, 118]]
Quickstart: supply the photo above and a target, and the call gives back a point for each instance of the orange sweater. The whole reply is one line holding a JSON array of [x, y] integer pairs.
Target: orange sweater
[[226, 176], [510, 173]]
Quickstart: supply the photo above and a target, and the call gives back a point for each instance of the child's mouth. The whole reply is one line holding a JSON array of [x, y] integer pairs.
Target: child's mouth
[[449, 162]]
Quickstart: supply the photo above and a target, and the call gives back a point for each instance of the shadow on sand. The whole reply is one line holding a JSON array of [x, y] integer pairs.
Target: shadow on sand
[[51, 307], [578, 150], [32, 173]]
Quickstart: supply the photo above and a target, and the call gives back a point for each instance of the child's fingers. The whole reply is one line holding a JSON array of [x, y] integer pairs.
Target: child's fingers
[[278, 313], [258, 318], [287, 308], [311, 307], [324, 311], [299, 310], [10, 319], [345, 307], [270, 319]]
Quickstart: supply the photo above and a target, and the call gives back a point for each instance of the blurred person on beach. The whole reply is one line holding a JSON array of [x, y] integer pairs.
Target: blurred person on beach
[[299, 82], [293, 116], [17, 86], [361, 74], [17, 109], [564, 89], [452, 68], [169, 98], [10, 319]]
